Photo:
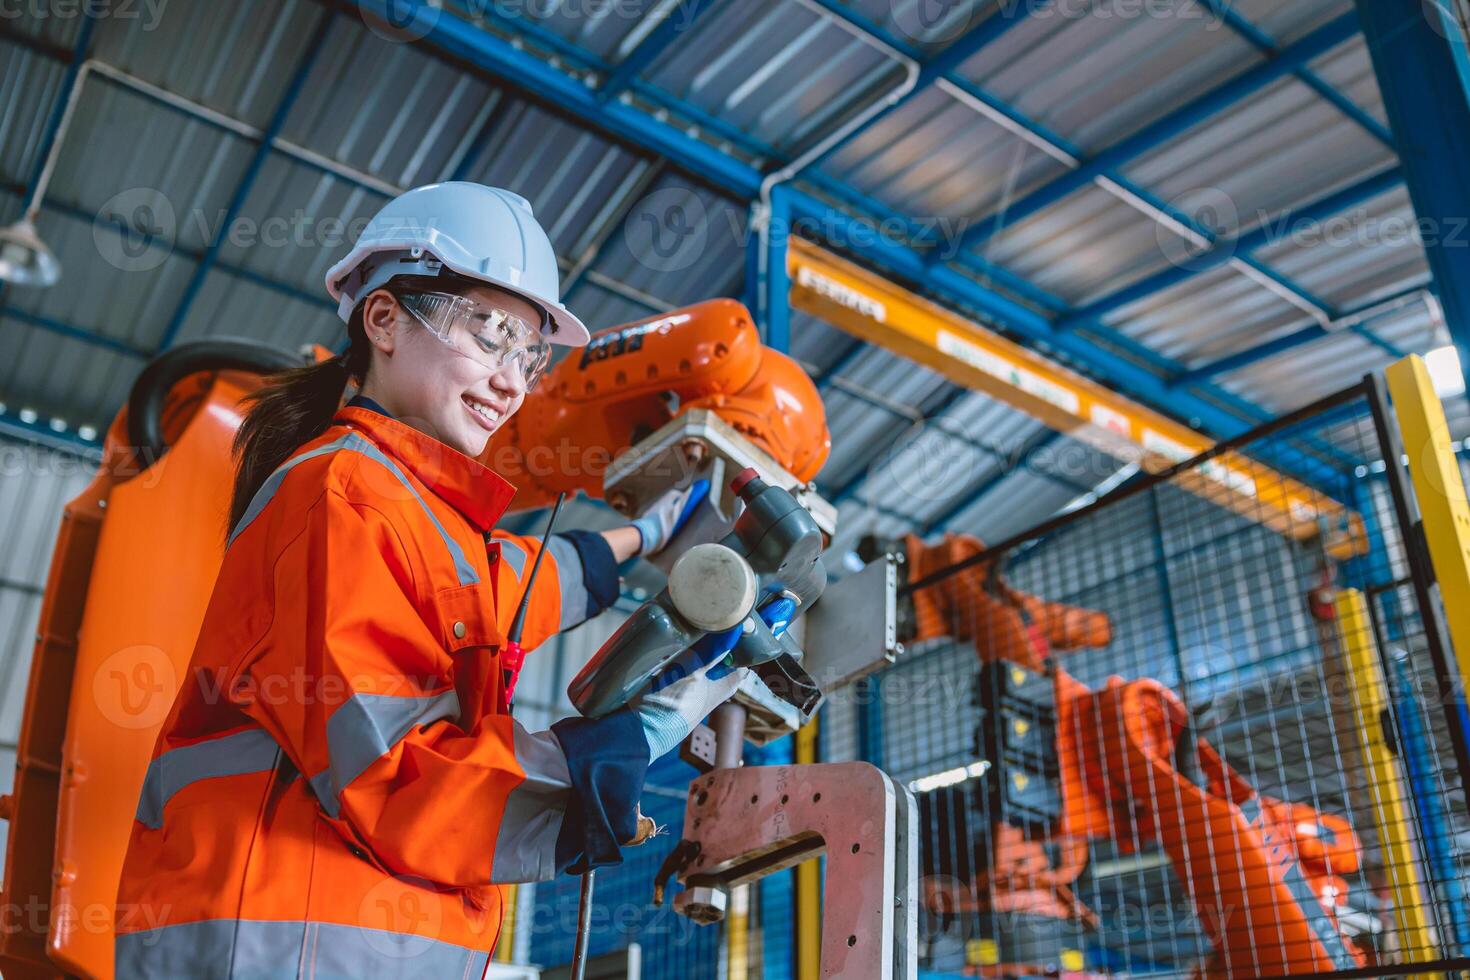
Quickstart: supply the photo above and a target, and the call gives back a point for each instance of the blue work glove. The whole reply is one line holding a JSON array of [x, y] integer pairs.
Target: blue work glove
[[698, 681], [668, 514]]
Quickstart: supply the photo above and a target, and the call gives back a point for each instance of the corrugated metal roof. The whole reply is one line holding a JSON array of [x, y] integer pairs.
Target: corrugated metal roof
[[1371, 252], [1086, 244], [1091, 75], [934, 157], [775, 69], [1283, 147], [638, 236]]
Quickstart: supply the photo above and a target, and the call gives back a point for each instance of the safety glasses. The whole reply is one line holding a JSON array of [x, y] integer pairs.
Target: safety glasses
[[496, 338]]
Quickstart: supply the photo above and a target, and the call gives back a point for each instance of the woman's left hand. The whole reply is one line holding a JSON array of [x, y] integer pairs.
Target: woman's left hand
[[668, 514]]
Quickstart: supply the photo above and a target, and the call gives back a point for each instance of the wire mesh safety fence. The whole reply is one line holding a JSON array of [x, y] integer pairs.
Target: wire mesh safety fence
[[1199, 726]]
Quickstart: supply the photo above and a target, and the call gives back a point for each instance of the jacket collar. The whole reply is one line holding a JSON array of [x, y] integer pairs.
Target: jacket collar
[[467, 485]]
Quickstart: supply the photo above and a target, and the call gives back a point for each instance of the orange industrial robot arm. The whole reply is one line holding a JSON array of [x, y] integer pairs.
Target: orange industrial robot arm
[[978, 605], [1266, 877], [631, 380]]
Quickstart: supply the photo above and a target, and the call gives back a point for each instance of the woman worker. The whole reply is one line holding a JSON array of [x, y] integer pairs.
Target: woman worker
[[339, 789]]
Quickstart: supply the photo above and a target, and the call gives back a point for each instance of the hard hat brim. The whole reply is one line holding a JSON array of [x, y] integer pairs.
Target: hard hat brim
[[570, 330]]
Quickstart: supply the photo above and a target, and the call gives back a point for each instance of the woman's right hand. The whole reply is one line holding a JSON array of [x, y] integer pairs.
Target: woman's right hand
[[684, 694]]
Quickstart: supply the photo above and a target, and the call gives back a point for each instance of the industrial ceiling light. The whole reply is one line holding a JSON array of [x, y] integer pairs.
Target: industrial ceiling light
[[1445, 372], [24, 258]]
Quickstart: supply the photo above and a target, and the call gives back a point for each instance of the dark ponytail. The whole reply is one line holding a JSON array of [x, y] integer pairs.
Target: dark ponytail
[[293, 408]]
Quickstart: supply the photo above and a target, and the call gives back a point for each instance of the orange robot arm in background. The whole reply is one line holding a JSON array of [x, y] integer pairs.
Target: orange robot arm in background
[[978, 605], [631, 380], [1266, 877]]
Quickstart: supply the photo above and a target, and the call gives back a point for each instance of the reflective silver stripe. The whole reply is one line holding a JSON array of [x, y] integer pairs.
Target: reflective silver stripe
[[515, 554], [252, 750], [220, 949], [362, 731], [352, 442], [525, 847], [569, 574]]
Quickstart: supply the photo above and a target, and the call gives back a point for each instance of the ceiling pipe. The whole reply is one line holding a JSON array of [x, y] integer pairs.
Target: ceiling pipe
[[761, 210]]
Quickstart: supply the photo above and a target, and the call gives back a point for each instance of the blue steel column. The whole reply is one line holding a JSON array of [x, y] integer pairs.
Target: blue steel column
[[868, 695], [778, 278], [1417, 50], [1435, 830], [752, 291]]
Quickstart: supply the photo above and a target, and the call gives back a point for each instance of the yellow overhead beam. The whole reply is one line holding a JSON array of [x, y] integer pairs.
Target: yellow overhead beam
[[887, 315]]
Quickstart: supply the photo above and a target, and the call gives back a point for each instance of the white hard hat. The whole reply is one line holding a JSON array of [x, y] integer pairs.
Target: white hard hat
[[480, 232]]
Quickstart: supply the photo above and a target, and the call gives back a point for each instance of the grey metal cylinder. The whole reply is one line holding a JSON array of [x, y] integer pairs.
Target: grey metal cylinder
[[712, 587], [729, 725]]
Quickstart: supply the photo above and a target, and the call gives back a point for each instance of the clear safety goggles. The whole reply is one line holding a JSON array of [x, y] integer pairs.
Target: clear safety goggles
[[496, 338]]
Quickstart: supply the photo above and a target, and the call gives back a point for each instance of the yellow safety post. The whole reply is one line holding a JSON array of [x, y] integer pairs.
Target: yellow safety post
[[505, 946], [737, 935], [1440, 492], [1385, 783], [808, 881]]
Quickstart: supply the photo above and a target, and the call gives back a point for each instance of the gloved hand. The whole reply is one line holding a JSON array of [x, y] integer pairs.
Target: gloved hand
[[668, 514], [684, 694], [698, 681]]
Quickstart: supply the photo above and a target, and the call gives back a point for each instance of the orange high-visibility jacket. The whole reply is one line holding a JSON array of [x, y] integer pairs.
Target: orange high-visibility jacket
[[336, 792]]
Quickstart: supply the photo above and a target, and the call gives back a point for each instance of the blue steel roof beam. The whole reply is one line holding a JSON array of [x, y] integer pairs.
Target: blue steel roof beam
[[918, 231], [1353, 318], [1038, 443], [959, 87], [263, 149], [39, 434], [843, 362], [51, 325], [1419, 54], [1266, 44], [497, 56], [1226, 250], [1118, 359], [584, 61], [1176, 123], [680, 17], [1279, 345], [933, 419]]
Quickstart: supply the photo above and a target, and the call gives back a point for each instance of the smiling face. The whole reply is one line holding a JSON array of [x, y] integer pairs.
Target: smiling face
[[434, 386]]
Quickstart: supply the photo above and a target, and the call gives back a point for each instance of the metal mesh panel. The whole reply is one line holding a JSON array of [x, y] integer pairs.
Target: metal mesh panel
[[1188, 771]]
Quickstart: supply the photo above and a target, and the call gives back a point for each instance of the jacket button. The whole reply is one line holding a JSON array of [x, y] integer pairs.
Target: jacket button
[[459, 631]]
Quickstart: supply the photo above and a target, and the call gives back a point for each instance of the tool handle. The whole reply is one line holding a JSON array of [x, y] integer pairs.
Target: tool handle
[[518, 625]]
